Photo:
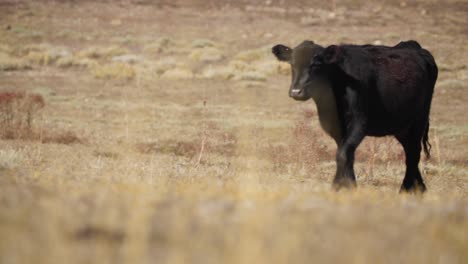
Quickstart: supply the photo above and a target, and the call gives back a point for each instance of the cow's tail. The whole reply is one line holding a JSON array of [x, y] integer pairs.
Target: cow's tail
[[433, 73], [425, 141]]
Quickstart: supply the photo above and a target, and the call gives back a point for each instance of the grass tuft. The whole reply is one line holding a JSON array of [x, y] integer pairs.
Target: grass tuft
[[202, 43], [302, 152], [9, 158], [159, 46], [102, 53], [114, 71], [178, 73], [70, 61], [254, 54], [9, 63], [207, 54], [63, 137], [43, 54]]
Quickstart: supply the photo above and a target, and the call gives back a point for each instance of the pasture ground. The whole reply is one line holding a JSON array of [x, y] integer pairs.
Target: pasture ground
[[167, 136]]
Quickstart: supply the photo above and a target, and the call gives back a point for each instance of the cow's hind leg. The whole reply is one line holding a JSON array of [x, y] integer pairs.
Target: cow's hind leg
[[413, 181]]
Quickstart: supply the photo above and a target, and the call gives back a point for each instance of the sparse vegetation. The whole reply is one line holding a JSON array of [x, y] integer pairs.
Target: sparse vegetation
[[302, 151], [254, 55], [9, 63], [9, 159], [178, 73], [128, 145], [61, 137], [102, 52], [18, 111], [207, 54], [160, 45], [43, 54], [114, 70], [71, 61], [202, 43]]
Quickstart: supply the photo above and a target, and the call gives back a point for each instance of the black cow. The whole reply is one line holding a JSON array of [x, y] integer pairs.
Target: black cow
[[367, 90]]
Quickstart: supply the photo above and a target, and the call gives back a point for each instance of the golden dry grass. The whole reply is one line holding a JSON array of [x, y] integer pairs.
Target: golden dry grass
[[139, 163]]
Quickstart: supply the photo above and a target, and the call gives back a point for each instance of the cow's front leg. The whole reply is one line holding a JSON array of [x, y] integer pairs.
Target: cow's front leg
[[345, 176], [355, 131]]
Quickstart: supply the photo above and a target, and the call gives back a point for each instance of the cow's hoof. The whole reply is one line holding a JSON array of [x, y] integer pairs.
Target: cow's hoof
[[416, 188], [344, 183]]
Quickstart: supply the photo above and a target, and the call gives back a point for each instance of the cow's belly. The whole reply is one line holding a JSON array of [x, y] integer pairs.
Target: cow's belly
[[386, 125], [394, 114]]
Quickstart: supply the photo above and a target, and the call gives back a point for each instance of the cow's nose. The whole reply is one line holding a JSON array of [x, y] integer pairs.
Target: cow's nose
[[295, 92]]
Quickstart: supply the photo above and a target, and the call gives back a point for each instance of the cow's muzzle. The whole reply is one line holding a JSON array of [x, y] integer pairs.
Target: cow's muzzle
[[297, 94]]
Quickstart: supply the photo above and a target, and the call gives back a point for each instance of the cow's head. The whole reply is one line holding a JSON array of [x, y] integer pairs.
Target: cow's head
[[304, 76]]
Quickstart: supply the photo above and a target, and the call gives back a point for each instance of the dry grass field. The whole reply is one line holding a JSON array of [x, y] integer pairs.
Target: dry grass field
[[147, 131]]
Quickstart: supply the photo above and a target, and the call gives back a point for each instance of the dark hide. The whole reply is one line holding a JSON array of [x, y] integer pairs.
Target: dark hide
[[377, 91]]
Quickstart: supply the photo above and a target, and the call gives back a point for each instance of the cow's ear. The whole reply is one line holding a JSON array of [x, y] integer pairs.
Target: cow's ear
[[336, 55], [282, 52], [332, 54]]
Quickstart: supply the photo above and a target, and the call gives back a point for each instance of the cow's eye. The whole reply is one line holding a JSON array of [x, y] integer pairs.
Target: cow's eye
[[317, 60]]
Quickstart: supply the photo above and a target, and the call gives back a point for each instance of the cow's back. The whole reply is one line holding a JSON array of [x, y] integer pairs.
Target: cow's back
[[401, 86]]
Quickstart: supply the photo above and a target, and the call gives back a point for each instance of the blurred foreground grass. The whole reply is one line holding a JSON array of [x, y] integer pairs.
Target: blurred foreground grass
[[212, 221]]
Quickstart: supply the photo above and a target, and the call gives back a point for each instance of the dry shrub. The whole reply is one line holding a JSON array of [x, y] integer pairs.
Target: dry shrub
[[178, 148], [221, 143], [93, 232], [43, 54], [17, 113], [178, 73], [9, 63], [102, 52], [380, 150], [106, 154], [40, 58], [10, 158], [202, 43], [265, 66], [187, 149], [302, 151], [216, 143], [61, 137], [206, 54], [272, 67], [114, 71], [254, 54], [251, 76], [72, 61], [160, 45], [376, 151], [256, 70], [158, 67], [224, 73]]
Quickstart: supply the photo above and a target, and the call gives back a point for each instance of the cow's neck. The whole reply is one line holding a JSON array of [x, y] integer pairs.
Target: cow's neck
[[322, 94]]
